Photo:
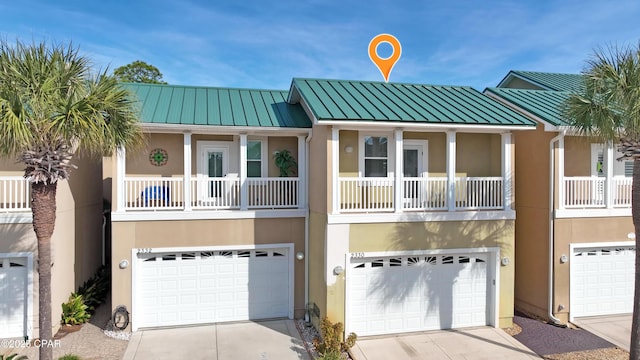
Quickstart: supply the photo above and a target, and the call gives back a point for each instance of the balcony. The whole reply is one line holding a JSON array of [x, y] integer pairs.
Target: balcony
[[366, 194], [205, 193], [585, 192], [14, 194]]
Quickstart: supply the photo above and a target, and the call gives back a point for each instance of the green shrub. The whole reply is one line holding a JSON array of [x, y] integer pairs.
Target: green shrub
[[330, 342], [94, 291], [70, 357], [13, 357], [75, 311]]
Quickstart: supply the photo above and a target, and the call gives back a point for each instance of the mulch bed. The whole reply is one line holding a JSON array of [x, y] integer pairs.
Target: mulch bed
[[546, 339]]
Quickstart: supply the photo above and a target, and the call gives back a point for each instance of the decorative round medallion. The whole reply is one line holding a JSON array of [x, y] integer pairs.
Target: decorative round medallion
[[158, 157]]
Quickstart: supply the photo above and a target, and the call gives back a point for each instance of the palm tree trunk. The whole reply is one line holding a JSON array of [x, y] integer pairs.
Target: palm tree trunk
[[43, 206], [634, 350]]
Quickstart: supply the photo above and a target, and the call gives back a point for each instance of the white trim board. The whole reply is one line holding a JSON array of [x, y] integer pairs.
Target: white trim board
[[366, 218], [590, 213], [207, 215]]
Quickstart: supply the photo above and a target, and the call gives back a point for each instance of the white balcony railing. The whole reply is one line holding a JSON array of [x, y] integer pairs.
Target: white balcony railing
[[215, 193], [14, 194], [366, 194], [160, 193], [273, 193], [420, 194], [150, 193], [622, 191], [590, 192], [478, 193]]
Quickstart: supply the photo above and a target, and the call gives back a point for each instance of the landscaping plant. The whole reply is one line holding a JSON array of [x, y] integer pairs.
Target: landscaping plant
[[285, 162], [75, 311], [13, 357], [94, 291], [330, 345]]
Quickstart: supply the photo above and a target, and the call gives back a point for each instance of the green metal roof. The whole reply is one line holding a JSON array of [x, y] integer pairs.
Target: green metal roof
[[410, 103], [191, 105], [549, 81], [547, 105]]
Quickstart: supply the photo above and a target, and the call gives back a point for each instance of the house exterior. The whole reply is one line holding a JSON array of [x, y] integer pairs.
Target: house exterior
[[399, 217], [411, 224], [203, 228], [77, 244], [574, 234]]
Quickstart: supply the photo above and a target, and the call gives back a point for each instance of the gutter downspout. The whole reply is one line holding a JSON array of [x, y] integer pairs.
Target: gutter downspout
[[554, 320], [307, 316]]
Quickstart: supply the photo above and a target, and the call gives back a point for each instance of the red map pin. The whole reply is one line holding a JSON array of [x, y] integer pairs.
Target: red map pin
[[385, 64]]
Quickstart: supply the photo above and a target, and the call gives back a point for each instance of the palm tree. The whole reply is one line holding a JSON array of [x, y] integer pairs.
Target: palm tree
[[608, 108], [51, 109]]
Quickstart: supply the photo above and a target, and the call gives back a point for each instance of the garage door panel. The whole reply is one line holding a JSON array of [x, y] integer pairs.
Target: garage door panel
[[13, 297], [602, 280], [213, 286], [414, 293]]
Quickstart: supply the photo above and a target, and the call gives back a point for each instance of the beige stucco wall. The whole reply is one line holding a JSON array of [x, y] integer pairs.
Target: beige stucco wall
[[279, 143], [578, 231], [316, 257], [478, 154], [201, 233], [577, 156], [349, 161], [532, 220], [320, 170], [138, 163]]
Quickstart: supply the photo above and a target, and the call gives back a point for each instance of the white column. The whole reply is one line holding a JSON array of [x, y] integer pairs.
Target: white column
[[335, 171], [608, 183], [560, 174], [187, 171], [302, 172], [120, 174], [244, 189], [451, 170], [507, 170], [397, 198]]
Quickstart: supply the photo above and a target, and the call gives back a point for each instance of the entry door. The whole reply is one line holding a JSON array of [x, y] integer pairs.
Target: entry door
[[215, 165], [413, 167]]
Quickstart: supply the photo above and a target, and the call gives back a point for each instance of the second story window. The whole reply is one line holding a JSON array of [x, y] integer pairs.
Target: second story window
[[375, 156], [254, 158]]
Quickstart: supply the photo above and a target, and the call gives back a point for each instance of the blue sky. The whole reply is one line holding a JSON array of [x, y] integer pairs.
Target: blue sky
[[263, 44]]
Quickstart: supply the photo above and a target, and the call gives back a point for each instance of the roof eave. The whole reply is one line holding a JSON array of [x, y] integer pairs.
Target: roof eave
[[360, 124], [220, 130], [547, 125]]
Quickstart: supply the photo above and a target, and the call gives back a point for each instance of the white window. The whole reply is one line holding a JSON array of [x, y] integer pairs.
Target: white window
[[376, 156], [256, 161]]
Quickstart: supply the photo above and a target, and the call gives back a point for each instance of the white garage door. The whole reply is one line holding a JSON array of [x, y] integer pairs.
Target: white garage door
[[13, 297], [414, 293], [601, 280], [181, 288]]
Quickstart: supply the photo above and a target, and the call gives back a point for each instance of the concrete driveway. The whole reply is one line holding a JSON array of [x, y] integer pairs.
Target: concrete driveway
[[265, 340], [474, 343], [616, 329]]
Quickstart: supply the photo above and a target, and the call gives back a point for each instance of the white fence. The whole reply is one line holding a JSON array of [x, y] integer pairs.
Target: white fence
[[167, 193], [424, 193], [590, 191], [14, 194]]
